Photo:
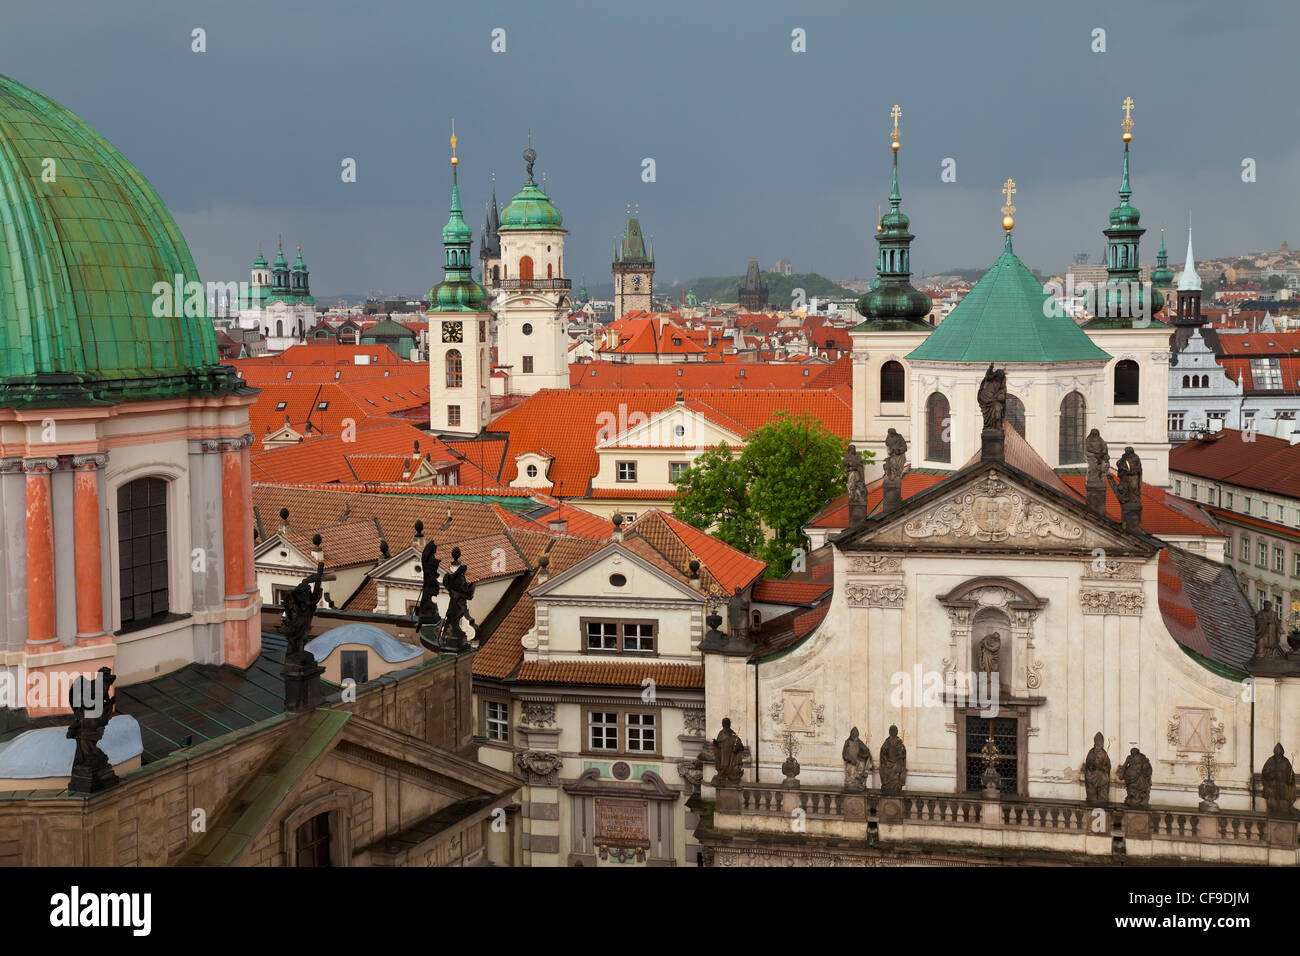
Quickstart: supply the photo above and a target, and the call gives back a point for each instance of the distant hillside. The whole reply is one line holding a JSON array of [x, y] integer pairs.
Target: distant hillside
[[780, 289]]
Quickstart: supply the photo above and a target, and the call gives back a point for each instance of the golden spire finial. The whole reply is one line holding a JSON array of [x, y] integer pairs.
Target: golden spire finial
[[454, 160], [879, 226], [1008, 210], [896, 113], [1128, 118]]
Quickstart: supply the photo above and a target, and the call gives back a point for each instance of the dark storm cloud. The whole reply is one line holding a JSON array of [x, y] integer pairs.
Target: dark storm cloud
[[758, 150]]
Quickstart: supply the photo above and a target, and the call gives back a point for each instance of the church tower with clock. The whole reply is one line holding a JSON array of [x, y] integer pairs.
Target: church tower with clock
[[459, 403], [532, 298], [634, 271]]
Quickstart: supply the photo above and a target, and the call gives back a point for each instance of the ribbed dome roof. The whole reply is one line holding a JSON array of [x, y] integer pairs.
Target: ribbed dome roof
[[530, 209], [79, 258]]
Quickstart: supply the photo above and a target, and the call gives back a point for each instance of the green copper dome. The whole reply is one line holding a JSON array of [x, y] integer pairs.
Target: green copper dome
[[1162, 276], [79, 259], [457, 292], [530, 209], [891, 303], [1006, 317], [260, 261]]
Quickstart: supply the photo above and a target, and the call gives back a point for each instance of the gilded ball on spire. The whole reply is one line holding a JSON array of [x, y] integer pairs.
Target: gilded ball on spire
[[1008, 223]]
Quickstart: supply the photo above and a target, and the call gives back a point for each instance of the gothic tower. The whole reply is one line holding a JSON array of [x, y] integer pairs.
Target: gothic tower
[[753, 291], [458, 332], [532, 295], [634, 271]]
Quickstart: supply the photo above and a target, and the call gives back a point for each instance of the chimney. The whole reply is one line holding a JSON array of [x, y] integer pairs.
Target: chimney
[[558, 524], [618, 528]]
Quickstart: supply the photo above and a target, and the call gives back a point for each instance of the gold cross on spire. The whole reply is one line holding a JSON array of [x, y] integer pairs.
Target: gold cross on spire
[[896, 113], [454, 160], [1127, 125], [1008, 210]]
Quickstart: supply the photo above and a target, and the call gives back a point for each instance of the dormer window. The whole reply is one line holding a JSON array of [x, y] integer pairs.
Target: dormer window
[[280, 406]]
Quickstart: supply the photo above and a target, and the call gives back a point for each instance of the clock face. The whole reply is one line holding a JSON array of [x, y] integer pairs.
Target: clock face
[[636, 282], [452, 332]]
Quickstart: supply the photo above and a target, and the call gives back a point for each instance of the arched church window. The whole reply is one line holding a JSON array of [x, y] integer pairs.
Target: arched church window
[[142, 550], [892, 388], [1016, 414], [1185, 380], [938, 425], [1074, 417], [279, 327], [526, 269], [1126, 382], [1205, 381], [453, 369]]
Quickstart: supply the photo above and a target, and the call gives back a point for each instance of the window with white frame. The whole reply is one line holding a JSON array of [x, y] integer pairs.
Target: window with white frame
[[497, 721], [1266, 374], [1261, 555], [602, 636], [626, 471], [1279, 560], [1245, 548], [602, 730], [641, 733]]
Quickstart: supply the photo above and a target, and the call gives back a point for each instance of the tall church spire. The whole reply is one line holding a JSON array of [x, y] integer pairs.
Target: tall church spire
[[892, 303], [1123, 300], [458, 292]]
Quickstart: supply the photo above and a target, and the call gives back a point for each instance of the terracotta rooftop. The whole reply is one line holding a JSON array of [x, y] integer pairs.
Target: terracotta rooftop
[[1263, 462]]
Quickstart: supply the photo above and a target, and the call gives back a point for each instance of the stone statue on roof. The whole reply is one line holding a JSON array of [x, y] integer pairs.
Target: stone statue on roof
[[992, 398], [1268, 633], [92, 708], [1098, 455], [896, 461], [738, 622], [857, 762], [1277, 780], [853, 476], [1135, 774], [426, 610], [460, 591], [299, 608], [1128, 489], [1096, 773]]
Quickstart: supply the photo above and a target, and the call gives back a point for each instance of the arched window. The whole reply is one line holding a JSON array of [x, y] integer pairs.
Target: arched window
[[891, 382], [1074, 417], [1126, 382], [548, 270], [279, 327], [496, 273], [453, 369], [1205, 381], [938, 429], [1185, 385], [1016, 414], [526, 269], [142, 550]]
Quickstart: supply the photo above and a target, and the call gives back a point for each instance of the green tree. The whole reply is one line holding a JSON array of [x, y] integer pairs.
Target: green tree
[[789, 469], [713, 495]]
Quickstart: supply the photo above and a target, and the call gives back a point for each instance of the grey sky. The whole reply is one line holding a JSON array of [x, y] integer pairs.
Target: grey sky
[[760, 151]]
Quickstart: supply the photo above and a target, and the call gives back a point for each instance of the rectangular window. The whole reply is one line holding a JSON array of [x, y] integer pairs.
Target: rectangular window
[[1209, 495], [1279, 560], [496, 722], [1261, 555], [641, 733], [1295, 568], [1245, 505], [677, 468], [1260, 598], [639, 638], [1245, 548], [354, 665], [1176, 420], [626, 471], [1193, 491], [1178, 487], [528, 364], [602, 636], [602, 730], [1227, 499], [1266, 374], [142, 550], [453, 415]]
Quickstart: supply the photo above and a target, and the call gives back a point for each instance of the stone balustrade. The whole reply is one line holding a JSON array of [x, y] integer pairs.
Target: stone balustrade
[[1004, 824]]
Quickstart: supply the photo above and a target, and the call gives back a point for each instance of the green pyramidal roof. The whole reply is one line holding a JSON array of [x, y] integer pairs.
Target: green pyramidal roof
[[83, 240], [1004, 319]]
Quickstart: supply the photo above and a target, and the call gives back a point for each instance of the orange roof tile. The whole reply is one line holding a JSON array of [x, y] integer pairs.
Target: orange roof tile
[[612, 673]]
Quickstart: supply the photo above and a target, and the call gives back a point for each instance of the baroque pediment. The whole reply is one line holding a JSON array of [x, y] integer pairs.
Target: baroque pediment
[[990, 509]]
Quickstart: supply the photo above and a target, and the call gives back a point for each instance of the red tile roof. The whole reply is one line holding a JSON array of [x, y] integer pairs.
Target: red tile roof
[[565, 423], [730, 567], [790, 592], [330, 458], [702, 375], [1263, 462], [611, 673]]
